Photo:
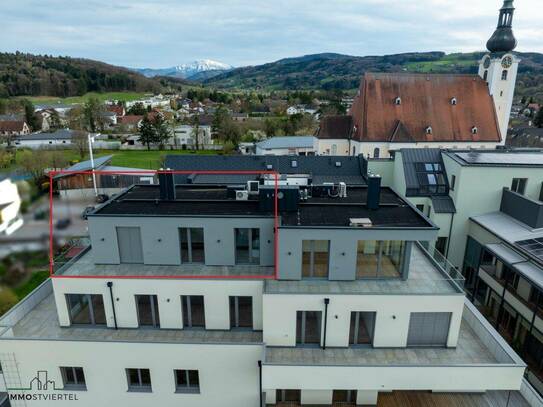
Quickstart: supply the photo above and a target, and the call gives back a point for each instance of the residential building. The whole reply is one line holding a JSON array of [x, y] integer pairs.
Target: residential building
[[10, 205], [184, 136], [198, 295], [503, 266], [287, 145], [59, 138], [60, 108], [392, 111], [11, 128], [130, 122]]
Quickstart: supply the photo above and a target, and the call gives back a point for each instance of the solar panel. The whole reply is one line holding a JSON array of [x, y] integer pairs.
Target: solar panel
[[534, 247], [480, 157]]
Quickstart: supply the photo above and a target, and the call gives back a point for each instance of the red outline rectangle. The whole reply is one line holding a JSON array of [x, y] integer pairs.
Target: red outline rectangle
[[52, 174]]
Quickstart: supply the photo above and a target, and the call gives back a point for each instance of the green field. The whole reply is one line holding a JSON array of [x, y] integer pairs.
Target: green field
[[449, 63], [122, 96], [149, 160]]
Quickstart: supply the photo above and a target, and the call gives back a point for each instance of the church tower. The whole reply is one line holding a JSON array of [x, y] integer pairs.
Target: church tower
[[499, 66]]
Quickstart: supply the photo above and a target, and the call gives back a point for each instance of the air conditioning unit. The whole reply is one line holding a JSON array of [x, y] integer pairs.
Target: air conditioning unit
[[360, 222], [252, 187], [242, 195], [342, 190]]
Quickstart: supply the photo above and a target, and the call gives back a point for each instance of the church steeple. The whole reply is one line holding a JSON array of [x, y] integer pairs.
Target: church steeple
[[503, 39]]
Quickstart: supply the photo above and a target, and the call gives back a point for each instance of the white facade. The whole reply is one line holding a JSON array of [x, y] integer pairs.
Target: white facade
[[500, 72], [95, 322], [185, 135]]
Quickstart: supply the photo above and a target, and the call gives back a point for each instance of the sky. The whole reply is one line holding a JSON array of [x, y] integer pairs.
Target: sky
[[164, 33]]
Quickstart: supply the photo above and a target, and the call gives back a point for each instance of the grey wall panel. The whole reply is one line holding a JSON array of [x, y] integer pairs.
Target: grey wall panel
[[129, 242], [428, 328]]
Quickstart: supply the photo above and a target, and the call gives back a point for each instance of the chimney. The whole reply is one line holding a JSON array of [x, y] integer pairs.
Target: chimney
[[166, 185], [374, 191]]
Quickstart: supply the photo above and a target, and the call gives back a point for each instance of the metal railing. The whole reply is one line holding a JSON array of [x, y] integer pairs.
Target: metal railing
[[445, 267], [69, 253]]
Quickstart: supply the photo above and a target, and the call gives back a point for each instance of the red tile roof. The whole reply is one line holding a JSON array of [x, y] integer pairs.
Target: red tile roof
[[130, 119], [425, 101], [335, 127], [118, 110], [12, 125]]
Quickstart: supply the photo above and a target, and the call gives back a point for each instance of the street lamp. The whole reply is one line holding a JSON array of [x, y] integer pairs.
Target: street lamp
[[91, 140]]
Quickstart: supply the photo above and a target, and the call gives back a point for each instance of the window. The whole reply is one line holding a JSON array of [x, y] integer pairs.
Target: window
[[187, 381], [193, 311], [362, 328], [139, 380], [376, 152], [315, 256], [453, 182], [289, 397], [474, 130], [454, 102], [192, 245], [504, 75], [344, 397], [73, 378], [86, 309], [431, 178], [379, 259], [441, 245], [247, 246], [398, 101], [429, 130], [241, 312], [308, 327], [147, 308], [334, 149], [420, 207], [519, 185]]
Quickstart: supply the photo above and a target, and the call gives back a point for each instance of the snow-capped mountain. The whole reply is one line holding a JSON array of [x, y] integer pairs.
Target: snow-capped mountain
[[186, 71]]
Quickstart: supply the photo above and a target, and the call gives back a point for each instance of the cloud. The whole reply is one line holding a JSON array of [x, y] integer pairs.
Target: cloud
[[162, 33]]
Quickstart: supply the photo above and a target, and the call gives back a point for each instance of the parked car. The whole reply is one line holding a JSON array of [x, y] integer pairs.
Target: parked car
[[63, 223]]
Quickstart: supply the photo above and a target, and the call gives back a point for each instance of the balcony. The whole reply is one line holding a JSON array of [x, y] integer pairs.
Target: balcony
[[428, 274], [76, 259]]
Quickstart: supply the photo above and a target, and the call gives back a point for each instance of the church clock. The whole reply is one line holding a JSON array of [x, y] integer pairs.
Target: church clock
[[507, 62]]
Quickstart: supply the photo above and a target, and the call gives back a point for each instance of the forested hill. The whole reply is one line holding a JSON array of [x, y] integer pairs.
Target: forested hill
[[335, 71], [35, 75]]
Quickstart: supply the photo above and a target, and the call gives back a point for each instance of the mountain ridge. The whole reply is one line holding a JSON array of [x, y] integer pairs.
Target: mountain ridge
[[197, 69]]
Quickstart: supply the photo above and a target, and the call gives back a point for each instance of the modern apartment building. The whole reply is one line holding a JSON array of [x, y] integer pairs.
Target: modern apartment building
[[299, 291]]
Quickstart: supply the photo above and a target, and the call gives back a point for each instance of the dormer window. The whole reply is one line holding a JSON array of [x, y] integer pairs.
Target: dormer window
[[454, 102], [294, 163], [269, 167], [474, 130], [398, 101], [429, 130]]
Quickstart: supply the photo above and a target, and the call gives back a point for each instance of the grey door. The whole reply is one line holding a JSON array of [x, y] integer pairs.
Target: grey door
[[428, 329], [130, 249]]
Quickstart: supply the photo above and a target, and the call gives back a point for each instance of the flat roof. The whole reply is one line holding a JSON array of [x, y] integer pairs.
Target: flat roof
[[498, 158], [214, 201], [288, 142]]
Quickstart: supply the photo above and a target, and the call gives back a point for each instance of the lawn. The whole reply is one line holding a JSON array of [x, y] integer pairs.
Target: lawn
[[148, 160], [122, 96], [35, 280]]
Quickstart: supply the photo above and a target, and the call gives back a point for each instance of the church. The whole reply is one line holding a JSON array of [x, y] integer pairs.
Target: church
[[414, 110]]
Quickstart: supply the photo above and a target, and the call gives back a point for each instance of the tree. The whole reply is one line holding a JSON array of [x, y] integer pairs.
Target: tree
[[162, 130], [55, 122], [30, 116], [220, 118], [196, 130], [80, 141], [137, 109], [147, 132], [33, 163], [538, 119], [92, 110]]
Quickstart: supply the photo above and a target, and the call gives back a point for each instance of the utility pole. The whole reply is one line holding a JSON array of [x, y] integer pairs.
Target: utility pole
[[91, 140]]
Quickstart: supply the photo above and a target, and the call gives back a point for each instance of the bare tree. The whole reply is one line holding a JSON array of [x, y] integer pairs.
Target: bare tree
[[80, 142]]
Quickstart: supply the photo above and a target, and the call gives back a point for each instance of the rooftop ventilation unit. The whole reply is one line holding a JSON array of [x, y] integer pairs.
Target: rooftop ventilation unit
[[338, 163], [242, 195], [342, 190], [360, 222], [294, 163], [269, 166]]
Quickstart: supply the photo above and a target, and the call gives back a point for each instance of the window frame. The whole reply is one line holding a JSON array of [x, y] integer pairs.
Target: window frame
[[186, 309], [92, 314], [252, 259], [312, 252], [77, 385], [187, 232], [188, 388], [518, 185], [139, 388], [155, 311], [235, 321]]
